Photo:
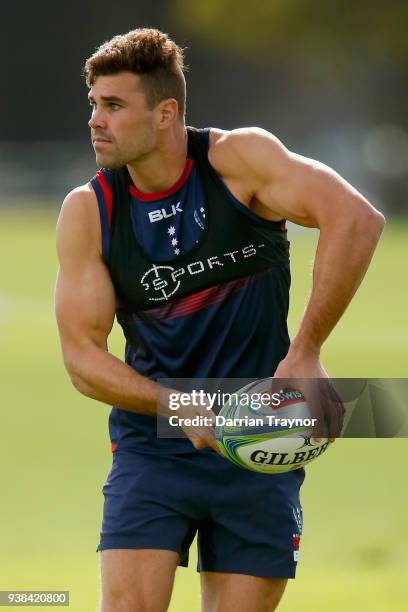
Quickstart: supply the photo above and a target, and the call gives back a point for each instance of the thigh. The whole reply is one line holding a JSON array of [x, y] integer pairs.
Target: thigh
[[240, 593], [255, 525], [147, 506], [139, 580]]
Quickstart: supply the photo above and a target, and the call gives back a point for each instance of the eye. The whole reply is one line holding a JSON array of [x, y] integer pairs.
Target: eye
[[92, 103], [114, 106]]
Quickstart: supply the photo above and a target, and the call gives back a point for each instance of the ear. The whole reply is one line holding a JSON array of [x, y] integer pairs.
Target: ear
[[167, 113]]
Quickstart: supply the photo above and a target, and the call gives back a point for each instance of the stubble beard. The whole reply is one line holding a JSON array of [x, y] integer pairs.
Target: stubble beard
[[134, 155], [105, 161]]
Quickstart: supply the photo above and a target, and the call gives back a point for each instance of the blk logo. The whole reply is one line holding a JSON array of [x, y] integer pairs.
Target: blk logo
[[162, 213]]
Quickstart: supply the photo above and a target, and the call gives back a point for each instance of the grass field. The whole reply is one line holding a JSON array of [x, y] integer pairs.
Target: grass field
[[55, 448]]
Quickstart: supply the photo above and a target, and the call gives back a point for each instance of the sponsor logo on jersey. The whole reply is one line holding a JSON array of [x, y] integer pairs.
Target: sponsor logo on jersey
[[161, 282], [162, 213]]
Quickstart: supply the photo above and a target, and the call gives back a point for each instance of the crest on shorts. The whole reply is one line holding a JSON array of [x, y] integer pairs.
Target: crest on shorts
[[296, 544], [297, 515]]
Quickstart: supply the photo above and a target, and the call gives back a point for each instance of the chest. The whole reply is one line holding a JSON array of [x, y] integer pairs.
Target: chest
[[170, 226], [193, 239]]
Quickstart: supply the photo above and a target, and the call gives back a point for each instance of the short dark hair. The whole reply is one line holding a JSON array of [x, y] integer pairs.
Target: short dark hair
[[149, 53]]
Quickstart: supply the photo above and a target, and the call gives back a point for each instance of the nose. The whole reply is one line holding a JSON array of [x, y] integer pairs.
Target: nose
[[97, 120]]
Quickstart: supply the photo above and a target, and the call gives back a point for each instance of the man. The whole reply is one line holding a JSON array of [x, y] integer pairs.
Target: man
[[182, 234]]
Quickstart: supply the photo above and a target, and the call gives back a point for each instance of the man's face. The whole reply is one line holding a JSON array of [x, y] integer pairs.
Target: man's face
[[122, 128]]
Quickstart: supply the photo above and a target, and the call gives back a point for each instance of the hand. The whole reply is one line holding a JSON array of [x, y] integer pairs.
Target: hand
[[304, 372], [200, 435]]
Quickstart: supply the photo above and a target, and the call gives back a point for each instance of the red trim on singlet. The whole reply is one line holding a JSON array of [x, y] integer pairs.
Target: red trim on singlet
[[159, 195], [107, 192], [207, 297], [113, 447], [201, 299]]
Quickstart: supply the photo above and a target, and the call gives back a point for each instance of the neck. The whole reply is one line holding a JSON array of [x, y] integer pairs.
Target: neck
[[164, 165]]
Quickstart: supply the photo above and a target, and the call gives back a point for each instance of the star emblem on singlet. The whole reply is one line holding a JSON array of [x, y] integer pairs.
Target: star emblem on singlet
[[174, 242], [171, 231]]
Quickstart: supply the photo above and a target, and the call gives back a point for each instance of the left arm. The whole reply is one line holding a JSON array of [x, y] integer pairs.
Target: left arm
[[313, 195]]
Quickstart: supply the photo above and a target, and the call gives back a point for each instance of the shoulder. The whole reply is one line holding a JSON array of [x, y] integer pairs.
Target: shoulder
[[80, 197], [248, 148], [80, 207], [78, 225], [239, 136]]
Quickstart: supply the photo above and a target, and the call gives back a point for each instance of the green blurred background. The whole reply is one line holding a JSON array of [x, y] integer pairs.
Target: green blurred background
[[329, 82], [55, 447]]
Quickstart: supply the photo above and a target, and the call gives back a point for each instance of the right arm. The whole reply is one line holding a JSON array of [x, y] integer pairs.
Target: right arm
[[85, 309]]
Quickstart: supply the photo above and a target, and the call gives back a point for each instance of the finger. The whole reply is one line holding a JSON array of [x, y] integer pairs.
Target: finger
[[340, 410], [211, 416], [337, 412], [209, 440], [314, 401], [331, 416], [198, 443], [215, 447], [329, 408]]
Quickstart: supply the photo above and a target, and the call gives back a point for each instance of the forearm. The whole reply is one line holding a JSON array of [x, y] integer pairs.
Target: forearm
[[343, 255], [100, 375]]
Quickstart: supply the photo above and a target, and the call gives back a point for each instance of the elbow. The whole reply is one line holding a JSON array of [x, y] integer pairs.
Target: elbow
[[371, 222], [377, 220], [78, 383], [71, 366]]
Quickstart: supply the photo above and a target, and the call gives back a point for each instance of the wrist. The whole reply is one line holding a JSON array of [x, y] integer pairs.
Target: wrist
[[166, 405], [302, 349]]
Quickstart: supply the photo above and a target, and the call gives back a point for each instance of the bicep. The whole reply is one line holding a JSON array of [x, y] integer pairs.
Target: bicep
[[84, 305], [300, 189], [84, 295], [310, 193]]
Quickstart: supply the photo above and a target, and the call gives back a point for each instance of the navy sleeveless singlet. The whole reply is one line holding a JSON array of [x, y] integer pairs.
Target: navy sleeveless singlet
[[202, 284]]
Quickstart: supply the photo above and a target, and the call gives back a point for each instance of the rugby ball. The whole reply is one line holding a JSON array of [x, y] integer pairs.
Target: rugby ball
[[268, 432]]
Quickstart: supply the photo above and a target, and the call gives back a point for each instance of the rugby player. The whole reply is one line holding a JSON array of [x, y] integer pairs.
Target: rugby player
[[182, 235]]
